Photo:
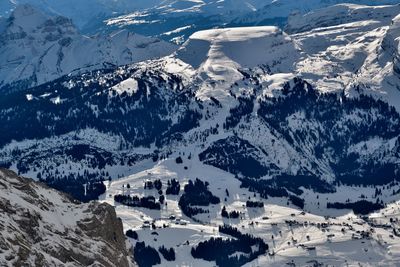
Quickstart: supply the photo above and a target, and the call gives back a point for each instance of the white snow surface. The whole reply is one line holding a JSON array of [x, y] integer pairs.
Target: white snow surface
[[355, 53], [130, 86], [333, 55], [216, 56], [339, 243]]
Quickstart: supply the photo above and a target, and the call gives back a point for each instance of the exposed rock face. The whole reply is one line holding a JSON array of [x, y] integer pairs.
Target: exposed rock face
[[390, 43], [42, 227]]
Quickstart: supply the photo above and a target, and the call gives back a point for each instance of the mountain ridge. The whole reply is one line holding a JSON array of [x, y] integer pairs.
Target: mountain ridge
[[37, 48]]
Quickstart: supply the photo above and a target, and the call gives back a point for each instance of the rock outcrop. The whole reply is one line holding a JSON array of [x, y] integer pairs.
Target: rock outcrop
[[43, 227]]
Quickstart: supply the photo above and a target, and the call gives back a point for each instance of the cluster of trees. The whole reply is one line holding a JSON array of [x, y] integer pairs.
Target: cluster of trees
[[297, 201], [78, 186], [221, 250], [192, 211], [282, 183], [82, 181], [360, 207], [157, 184], [135, 201], [243, 157], [179, 160], [293, 183], [271, 188], [245, 107], [173, 187], [254, 204], [132, 234], [378, 192], [145, 256], [168, 254], [196, 194], [230, 215], [263, 187]]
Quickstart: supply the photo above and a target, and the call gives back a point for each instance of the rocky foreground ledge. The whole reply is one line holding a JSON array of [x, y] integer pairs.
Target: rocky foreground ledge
[[40, 226]]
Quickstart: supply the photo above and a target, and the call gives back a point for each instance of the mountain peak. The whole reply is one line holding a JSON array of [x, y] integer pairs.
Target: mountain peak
[[26, 16], [41, 47], [30, 20], [243, 46], [218, 55]]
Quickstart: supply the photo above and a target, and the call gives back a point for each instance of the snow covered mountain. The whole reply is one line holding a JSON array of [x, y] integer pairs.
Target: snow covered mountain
[[36, 48], [176, 20], [221, 83], [271, 132], [217, 56], [334, 64], [89, 14], [81, 12], [42, 227], [282, 9], [337, 15]]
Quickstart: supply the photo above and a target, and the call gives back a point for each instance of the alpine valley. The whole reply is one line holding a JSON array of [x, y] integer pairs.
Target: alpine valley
[[246, 145]]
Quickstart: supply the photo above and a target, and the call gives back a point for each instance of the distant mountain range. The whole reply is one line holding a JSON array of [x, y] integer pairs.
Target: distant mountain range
[[37, 48], [176, 20]]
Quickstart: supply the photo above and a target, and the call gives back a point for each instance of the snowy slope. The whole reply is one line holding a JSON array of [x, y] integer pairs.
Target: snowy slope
[[339, 14], [285, 8], [42, 227], [36, 48], [216, 56], [92, 12], [345, 56], [326, 236], [176, 20]]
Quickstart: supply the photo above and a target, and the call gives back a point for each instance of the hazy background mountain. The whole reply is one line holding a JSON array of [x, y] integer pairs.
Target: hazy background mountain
[[175, 20], [36, 47]]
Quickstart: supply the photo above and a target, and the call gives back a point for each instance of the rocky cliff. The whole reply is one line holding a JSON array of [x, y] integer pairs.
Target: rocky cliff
[[42, 227]]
